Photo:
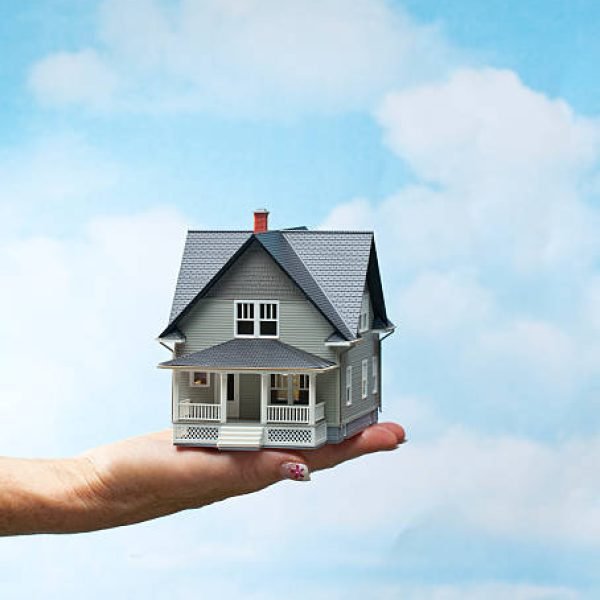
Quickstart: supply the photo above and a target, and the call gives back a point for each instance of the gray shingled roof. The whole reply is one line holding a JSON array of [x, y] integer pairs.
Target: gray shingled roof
[[250, 354], [330, 267], [278, 246], [204, 255], [338, 263]]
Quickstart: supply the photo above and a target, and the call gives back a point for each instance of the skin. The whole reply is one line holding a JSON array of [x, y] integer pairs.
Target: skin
[[147, 477]]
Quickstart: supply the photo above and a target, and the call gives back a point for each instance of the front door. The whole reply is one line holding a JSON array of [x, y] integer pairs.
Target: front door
[[233, 395]]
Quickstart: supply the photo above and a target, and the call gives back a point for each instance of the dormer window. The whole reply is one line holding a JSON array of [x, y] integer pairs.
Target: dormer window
[[256, 318]]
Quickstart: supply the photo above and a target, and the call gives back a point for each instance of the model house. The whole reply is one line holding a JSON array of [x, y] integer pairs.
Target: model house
[[275, 337]]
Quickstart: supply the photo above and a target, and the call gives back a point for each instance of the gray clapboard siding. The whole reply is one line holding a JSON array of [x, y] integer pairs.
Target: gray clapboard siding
[[354, 357], [209, 322], [195, 394], [302, 325], [328, 391], [255, 276]]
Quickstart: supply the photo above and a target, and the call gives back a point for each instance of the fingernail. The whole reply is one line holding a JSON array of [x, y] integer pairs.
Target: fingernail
[[295, 471]]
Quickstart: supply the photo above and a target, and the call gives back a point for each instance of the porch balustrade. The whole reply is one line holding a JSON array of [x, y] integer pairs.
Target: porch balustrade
[[193, 411], [293, 414]]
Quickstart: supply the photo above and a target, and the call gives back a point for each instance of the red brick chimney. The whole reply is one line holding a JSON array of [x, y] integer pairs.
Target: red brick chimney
[[261, 220]]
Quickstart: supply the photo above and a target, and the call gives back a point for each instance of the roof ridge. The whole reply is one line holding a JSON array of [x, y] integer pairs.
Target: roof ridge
[[220, 231], [285, 230]]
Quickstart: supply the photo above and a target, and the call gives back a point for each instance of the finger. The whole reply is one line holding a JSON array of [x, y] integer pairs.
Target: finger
[[381, 437]]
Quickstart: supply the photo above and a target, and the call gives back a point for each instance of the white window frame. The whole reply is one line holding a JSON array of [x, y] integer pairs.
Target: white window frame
[[375, 375], [199, 385], [363, 324], [250, 303], [348, 385], [364, 386], [256, 318]]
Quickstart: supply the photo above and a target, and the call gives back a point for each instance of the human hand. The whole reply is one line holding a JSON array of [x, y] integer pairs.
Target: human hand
[[146, 477]]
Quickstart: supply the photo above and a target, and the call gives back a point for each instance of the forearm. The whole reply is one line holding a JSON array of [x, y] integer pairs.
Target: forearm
[[45, 496]]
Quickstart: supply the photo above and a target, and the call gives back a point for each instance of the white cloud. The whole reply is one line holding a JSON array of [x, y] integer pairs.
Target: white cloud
[[251, 58], [77, 340], [484, 124], [508, 165], [355, 214], [502, 486], [54, 174], [493, 248], [81, 78], [437, 302], [548, 353]]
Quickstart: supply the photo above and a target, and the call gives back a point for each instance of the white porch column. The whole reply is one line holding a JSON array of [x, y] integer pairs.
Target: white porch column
[[223, 392], [312, 397], [175, 396], [264, 395]]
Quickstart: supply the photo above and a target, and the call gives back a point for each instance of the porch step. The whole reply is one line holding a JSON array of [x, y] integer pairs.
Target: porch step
[[240, 437]]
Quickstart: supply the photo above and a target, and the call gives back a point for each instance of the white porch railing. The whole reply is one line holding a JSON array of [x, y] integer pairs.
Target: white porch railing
[[192, 411], [293, 414]]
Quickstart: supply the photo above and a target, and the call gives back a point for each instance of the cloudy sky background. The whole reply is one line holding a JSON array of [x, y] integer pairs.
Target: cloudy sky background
[[466, 136]]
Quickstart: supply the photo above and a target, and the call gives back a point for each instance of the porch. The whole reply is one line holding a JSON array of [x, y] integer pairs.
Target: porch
[[283, 398], [248, 394]]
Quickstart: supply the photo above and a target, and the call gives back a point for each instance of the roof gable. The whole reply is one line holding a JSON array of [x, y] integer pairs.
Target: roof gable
[[331, 268]]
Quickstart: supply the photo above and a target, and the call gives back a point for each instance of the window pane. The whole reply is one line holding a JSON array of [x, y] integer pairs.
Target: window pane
[[268, 328], [245, 327], [200, 378]]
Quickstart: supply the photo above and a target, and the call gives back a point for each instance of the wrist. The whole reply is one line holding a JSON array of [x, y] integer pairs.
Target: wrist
[[44, 496]]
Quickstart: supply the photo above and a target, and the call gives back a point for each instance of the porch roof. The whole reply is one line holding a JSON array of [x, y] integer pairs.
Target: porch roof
[[249, 354]]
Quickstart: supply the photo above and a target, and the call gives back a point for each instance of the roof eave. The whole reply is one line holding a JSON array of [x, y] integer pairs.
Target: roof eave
[[249, 369]]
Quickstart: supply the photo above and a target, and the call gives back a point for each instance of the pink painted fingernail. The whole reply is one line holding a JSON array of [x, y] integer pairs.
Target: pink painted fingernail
[[295, 471]]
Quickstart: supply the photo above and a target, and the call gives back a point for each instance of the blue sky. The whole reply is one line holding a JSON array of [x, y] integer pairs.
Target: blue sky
[[465, 134]]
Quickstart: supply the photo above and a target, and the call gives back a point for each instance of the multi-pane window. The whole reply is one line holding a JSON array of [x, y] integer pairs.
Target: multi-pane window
[[279, 389], [364, 378], [244, 321], [199, 379], [268, 318], [256, 319], [300, 386], [289, 389], [375, 374], [348, 386]]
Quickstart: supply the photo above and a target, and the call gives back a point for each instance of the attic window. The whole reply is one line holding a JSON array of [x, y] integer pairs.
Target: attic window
[[364, 313], [256, 319]]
